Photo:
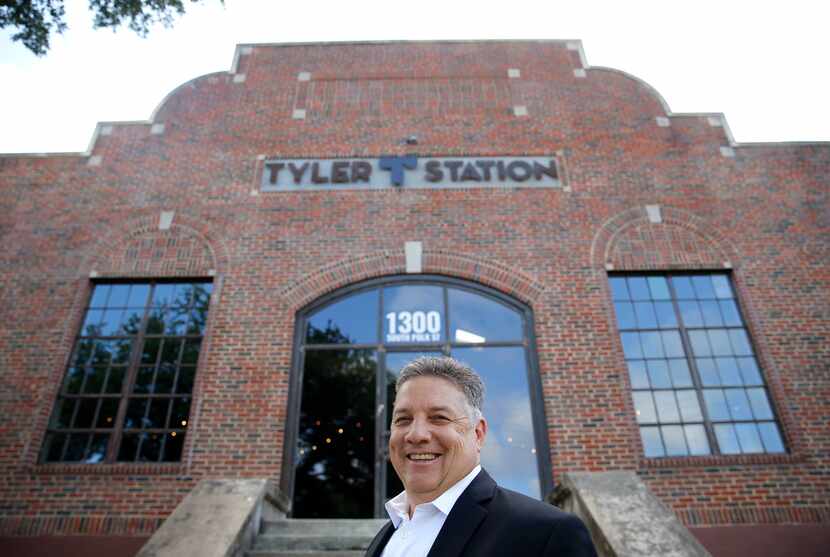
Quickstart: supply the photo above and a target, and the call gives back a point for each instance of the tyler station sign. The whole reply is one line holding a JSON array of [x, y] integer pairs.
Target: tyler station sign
[[409, 171]]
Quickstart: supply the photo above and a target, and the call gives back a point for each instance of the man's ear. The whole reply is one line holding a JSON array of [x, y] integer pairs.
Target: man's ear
[[481, 431]]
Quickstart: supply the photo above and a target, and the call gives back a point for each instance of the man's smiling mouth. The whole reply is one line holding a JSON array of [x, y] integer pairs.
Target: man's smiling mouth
[[421, 457]]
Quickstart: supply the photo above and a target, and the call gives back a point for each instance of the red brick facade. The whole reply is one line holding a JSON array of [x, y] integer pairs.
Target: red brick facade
[[760, 211]]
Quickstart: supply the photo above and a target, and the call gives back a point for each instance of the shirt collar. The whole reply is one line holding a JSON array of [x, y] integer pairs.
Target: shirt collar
[[397, 508]]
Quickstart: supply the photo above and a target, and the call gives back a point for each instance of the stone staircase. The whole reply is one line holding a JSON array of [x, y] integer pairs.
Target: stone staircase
[[314, 538]]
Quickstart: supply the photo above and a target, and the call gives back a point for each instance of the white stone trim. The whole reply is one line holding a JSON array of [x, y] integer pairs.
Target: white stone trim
[[519, 110], [414, 252], [663, 122], [166, 219], [239, 78], [579, 72], [514, 73], [304, 76], [157, 129], [298, 114], [654, 215], [94, 160], [727, 152]]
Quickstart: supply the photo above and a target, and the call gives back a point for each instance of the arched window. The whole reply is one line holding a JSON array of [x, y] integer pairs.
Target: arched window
[[351, 346]]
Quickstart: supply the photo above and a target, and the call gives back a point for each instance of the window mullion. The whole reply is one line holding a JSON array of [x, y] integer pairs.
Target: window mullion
[[708, 426], [129, 379]]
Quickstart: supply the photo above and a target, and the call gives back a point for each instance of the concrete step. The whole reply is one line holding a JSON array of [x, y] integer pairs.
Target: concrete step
[[312, 542], [268, 553], [331, 527]]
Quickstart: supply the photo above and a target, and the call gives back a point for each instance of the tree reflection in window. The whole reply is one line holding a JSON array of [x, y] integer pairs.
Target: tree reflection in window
[[135, 356]]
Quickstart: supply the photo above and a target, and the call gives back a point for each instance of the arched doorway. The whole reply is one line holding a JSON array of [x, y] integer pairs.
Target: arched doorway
[[349, 348]]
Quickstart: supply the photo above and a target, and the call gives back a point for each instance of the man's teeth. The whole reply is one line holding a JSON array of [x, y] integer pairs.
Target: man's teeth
[[423, 457]]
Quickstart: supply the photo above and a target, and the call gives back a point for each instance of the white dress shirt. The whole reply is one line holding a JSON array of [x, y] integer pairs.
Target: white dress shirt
[[414, 536]]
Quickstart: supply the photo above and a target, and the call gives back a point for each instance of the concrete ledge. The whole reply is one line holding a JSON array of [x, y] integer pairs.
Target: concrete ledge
[[219, 518], [624, 517]]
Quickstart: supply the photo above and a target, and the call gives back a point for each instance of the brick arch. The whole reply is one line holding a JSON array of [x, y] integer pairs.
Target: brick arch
[[140, 248], [348, 271], [630, 241]]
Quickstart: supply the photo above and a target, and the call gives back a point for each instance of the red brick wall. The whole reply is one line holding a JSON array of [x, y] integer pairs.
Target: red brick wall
[[763, 212]]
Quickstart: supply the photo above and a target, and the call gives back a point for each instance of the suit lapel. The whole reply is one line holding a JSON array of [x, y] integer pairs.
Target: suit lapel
[[467, 513], [380, 541]]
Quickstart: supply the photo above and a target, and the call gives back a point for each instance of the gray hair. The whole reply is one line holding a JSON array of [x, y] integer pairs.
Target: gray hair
[[457, 373]]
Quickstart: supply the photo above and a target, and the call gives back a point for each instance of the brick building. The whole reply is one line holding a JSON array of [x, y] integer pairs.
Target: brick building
[[228, 289]]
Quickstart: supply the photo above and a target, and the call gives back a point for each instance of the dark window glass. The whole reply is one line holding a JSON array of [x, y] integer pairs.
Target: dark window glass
[[696, 385], [164, 323]]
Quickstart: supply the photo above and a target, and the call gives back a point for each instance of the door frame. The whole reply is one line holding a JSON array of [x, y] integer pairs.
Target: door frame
[[291, 428]]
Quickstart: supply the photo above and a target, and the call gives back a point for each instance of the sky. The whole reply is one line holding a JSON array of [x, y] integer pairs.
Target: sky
[[763, 64]]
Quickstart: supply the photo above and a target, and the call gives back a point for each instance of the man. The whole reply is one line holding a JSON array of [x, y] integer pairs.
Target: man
[[450, 507]]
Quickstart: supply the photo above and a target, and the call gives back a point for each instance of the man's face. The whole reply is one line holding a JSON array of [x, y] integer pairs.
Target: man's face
[[434, 441]]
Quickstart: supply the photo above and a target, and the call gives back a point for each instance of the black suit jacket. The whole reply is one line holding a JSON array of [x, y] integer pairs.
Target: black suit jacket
[[488, 521]]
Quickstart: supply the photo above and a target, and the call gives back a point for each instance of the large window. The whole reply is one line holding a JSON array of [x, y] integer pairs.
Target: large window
[[127, 389], [697, 388]]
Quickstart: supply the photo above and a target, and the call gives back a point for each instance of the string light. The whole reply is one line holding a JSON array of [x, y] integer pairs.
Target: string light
[[340, 430]]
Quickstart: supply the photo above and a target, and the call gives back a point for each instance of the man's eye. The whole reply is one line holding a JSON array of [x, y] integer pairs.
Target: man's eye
[[440, 419], [401, 420]]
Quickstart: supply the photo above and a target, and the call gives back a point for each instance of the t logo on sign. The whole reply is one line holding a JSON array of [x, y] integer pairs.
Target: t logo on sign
[[395, 166]]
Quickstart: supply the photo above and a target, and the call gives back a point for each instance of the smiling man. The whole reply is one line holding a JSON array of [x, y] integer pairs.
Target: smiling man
[[450, 507]]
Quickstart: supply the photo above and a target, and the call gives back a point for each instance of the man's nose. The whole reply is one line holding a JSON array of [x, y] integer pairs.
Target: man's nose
[[419, 431]]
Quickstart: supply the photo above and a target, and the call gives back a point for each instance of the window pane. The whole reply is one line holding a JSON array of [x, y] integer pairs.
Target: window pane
[[626, 318], [164, 295], [683, 288], [675, 441], [352, 320], [181, 412], [716, 405], [729, 373], [119, 295], [95, 377], [689, 406], [86, 413], [703, 286], [673, 345], [173, 446], [157, 416], [111, 322], [144, 383], [414, 313], [473, 315], [761, 409], [652, 443], [107, 413], [708, 371], [98, 449], [74, 379], [727, 440], [748, 438], [711, 313], [92, 323], [511, 457], [138, 295], [696, 437], [76, 449], [749, 371], [135, 413], [129, 447], [631, 345], [719, 340], [740, 342], [638, 375], [731, 316], [619, 291], [770, 437], [184, 383], [62, 415], [666, 408], [652, 345], [115, 380], [700, 343], [659, 287], [722, 288], [665, 315], [658, 372], [638, 288], [150, 450], [644, 406], [690, 313], [738, 404], [646, 318], [680, 376], [100, 293]]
